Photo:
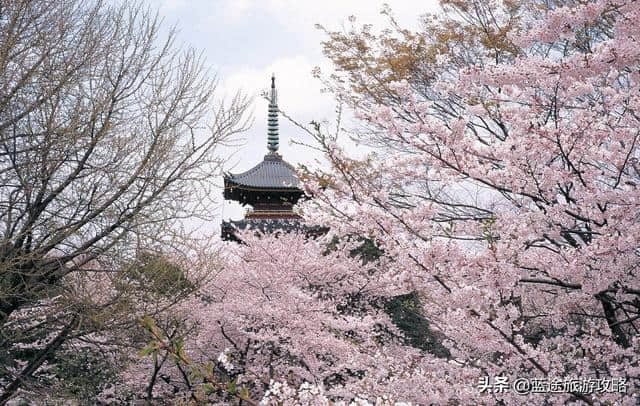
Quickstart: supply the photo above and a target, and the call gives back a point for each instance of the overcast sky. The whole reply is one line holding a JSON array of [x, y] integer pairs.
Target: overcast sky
[[245, 41]]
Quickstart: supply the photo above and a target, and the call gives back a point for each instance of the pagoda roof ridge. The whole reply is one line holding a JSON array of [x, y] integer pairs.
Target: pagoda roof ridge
[[272, 173]]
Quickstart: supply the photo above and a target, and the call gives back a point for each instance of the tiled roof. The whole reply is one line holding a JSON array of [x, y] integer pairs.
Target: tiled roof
[[271, 173], [269, 226]]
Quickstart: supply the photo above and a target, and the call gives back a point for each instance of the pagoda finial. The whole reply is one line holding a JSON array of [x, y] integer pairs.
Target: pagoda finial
[[272, 127]]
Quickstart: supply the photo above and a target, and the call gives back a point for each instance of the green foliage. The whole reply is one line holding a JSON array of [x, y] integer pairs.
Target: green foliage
[[156, 275], [405, 313], [368, 251], [404, 310], [208, 378], [83, 373], [488, 232]]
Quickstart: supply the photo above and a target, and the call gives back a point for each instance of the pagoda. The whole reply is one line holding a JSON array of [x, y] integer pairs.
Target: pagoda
[[270, 189]]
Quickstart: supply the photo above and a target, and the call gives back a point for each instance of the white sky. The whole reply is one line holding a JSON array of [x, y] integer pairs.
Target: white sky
[[246, 41]]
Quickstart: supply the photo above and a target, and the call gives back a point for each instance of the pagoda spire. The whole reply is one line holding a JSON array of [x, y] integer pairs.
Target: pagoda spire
[[272, 127]]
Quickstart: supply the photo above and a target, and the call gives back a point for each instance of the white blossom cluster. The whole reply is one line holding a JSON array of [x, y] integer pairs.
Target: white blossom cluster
[[225, 359], [280, 393]]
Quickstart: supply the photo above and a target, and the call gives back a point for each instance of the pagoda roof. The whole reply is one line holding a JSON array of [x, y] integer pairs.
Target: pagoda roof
[[272, 173]]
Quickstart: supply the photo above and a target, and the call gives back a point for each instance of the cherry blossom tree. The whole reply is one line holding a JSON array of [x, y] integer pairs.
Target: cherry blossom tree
[[511, 213], [287, 311], [515, 215]]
